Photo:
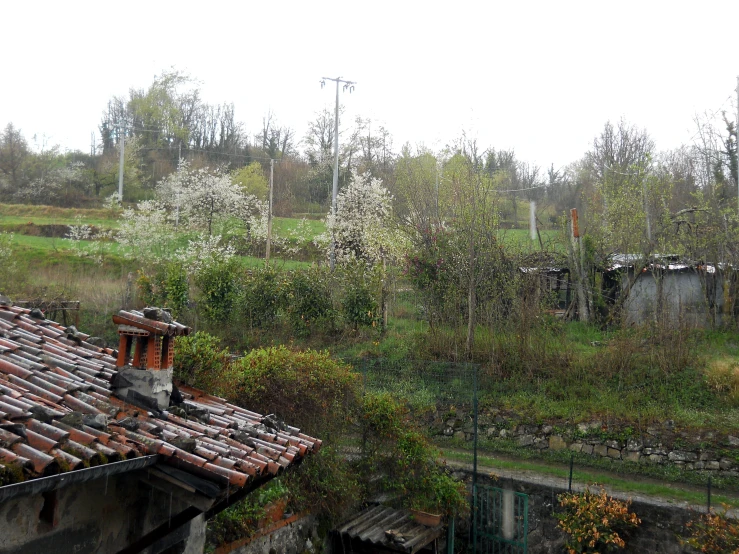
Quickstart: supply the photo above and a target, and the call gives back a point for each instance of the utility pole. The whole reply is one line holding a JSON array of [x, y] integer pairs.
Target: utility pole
[[120, 165], [736, 128], [335, 191], [269, 213]]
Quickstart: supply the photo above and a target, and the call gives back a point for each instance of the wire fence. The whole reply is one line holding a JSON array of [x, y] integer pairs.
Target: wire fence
[[421, 383]]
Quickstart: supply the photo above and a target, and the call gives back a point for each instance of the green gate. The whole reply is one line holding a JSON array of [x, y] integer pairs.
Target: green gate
[[500, 521]]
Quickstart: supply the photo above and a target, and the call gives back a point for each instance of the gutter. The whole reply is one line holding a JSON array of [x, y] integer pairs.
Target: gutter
[[53, 482]]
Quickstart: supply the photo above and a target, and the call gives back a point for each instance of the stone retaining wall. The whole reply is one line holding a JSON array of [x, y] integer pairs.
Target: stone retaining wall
[[663, 443]]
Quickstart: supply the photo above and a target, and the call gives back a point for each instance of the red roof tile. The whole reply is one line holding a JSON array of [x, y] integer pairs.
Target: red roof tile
[[55, 392]]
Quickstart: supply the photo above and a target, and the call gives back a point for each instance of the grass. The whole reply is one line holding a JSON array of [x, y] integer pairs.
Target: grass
[[20, 214], [283, 225], [646, 487]]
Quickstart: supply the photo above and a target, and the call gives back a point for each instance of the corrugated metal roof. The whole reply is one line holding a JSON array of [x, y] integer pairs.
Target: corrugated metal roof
[[389, 528], [57, 413]]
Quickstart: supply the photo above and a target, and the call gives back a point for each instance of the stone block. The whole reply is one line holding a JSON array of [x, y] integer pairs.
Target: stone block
[[707, 455], [491, 432], [459, 435], [614, 453], [556, 442], [656, 458], [600, 450], [587, 449], [713, 465], [546, 429], [541, 443], [725, 463], [733, 441], [525, 440], [503, 433], [682, 456], [613, 444], [630, 456], [633, 445], [575, 446]]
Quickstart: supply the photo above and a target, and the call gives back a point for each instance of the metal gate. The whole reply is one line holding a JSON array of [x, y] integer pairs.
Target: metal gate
[[500, 521]]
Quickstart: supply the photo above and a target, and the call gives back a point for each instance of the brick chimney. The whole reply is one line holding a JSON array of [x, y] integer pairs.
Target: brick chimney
[[145, 357]]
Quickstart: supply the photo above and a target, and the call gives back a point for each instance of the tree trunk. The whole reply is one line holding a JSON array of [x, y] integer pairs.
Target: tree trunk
[[471, 302]]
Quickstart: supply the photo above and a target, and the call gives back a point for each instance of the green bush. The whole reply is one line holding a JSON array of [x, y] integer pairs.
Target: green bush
[[308, 389], [200, 361], [306, 301], [259, 298], [218, 284], [167, 287], [397, 451]]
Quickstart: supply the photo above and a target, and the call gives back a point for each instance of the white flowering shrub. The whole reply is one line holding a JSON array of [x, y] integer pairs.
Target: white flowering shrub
[[147, 233], [86, 242], [363, 226], [204, 251]]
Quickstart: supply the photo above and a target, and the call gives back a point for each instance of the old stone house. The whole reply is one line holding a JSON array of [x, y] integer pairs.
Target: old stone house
[[100, 452]]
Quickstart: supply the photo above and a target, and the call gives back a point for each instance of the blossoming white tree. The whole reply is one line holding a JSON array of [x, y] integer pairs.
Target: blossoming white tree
[[362, 227], [201, 198]]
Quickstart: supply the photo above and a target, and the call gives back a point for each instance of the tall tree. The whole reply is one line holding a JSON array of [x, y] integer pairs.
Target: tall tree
[[13, 153]]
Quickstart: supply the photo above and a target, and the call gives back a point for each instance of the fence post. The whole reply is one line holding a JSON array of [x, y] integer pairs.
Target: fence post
[[572, 463], [709, 495], [474, 464]]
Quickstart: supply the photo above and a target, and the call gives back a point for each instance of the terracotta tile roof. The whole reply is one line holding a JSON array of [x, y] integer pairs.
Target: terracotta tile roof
[[57, 413]]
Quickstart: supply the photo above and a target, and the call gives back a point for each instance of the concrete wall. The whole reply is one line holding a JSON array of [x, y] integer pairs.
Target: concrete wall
[[99, 516], [660, 531]]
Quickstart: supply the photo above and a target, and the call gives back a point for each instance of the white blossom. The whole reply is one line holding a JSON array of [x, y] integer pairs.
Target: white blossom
[[203, 251], [362, 226]]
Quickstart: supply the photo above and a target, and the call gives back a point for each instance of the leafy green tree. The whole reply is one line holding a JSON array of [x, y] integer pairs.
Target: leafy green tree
[[251, 178], [13, 153]]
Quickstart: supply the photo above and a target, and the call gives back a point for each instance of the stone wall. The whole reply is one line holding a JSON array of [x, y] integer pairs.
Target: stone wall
[[297, 534], [660, 531], [104, 515], [694, 450]]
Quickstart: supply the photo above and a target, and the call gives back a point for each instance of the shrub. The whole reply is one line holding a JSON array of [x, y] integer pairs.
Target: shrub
[[309, 389], [243, 518], [406, 459], [259, 298], [200, 361], [218, 286], [714, 533], [306, 301], [358, 304], [167, 287], [324, 483], [593, 521]]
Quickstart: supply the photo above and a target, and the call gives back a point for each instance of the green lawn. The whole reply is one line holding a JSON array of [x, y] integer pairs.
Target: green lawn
[[21, 214]]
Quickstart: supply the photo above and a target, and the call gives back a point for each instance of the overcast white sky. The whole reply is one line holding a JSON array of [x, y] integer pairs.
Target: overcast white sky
[[540, 77]]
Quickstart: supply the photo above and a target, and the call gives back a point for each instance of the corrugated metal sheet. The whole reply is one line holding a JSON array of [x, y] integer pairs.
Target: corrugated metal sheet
[[389, 528]]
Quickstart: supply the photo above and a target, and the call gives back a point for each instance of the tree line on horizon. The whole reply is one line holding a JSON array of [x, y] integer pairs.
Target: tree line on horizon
[[168, 121]]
